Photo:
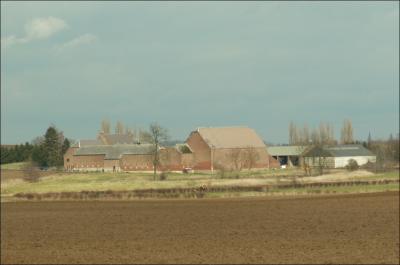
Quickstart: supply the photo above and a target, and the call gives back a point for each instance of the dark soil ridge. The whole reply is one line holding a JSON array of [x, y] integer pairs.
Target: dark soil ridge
[[197, 192]]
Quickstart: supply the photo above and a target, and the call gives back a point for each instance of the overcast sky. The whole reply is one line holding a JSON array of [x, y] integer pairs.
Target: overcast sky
[[194, 64]]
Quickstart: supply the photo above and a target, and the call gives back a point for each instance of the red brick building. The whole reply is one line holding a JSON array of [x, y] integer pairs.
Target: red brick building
[[205, 149], [228, 147]]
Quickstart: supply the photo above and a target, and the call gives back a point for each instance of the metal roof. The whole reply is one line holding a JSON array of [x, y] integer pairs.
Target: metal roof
[[342, 151], [230, 137], [115, 151], [293, 150], [349, 150]]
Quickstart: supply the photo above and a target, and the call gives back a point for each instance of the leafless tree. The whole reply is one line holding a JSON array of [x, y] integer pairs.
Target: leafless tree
[[128, 130], [305, 139], [302, 136], [119, 128], [105, 126], [236, 158], [347, 132], [31, 172], [143, 136], [158, 135], [251, 156], [292, 132]]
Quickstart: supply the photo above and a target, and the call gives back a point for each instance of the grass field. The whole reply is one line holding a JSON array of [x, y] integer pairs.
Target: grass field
[[14, 166]]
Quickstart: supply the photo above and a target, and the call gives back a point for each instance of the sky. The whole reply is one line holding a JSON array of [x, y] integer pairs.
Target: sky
[[199, 64]]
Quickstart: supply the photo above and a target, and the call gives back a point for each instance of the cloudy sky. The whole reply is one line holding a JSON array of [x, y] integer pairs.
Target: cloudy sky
[[191, 64]]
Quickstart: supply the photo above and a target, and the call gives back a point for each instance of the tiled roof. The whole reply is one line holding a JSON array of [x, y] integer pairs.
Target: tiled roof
[[115, 151], [230, 137]]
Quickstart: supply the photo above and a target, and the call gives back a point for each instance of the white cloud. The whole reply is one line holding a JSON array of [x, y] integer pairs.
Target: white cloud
[[83, 39], [38, 28]]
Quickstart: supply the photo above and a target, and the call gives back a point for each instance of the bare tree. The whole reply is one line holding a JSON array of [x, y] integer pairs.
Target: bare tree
[[105, 126], [315, 136], [369, 140], [31, 172], [251, 156], [129, 130], [305, 139], [302, 136], [158, 135], [292, 129], [236, 158], [119, 128], [347, 132], [316, 157]]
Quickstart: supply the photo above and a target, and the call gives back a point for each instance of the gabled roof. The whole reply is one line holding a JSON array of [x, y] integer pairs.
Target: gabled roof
[[230, 137], [115, 151], [340, 151], [293, 150]]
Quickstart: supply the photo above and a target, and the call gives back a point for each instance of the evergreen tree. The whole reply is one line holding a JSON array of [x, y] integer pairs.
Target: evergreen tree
[[53, 147], [65, 146]]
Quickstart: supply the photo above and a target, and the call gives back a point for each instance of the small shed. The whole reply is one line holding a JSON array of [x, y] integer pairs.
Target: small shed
[[287, 155]]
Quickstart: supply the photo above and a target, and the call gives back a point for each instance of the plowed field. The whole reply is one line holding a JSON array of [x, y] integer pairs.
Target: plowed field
[[326, 229]]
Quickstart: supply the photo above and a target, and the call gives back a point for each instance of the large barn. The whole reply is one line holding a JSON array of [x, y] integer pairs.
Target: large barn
[[228, 147], [205, 149]]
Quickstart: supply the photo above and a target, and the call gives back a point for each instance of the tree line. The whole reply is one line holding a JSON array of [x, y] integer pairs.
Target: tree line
[[386, 150], [44, 151], [321, 135]]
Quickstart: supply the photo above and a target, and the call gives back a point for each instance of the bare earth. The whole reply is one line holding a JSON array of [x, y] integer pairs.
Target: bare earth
[[351, 229]]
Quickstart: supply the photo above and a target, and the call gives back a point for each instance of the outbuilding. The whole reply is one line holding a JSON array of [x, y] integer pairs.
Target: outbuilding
[[338, 156]]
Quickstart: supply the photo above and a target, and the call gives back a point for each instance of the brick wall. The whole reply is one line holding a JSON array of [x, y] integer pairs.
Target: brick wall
[[88, 162], [136, 162], [201, 151]]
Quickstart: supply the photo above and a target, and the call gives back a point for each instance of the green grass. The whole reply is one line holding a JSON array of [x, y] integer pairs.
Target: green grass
[[13, 166], [138, 180]]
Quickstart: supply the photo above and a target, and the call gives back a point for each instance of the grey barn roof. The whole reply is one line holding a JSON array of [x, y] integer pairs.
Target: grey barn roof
[[349, 150], [119, 138], [294, 150], [115, 151], [343, 151]]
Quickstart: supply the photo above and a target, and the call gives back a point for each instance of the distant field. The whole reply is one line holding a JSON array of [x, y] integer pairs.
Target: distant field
[[13, 166], [76, 182]]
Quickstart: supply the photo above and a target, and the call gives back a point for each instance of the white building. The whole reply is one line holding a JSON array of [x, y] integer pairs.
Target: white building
[[338, 156]]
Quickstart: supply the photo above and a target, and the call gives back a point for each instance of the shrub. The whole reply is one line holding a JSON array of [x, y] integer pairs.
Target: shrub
[[30, 172], [221, 171], [352, 165], [163, 176]]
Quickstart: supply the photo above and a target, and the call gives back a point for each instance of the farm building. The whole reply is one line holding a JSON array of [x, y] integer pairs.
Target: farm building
[[120, 157], [205, 149], [228, 147], [338, 156], [287, 155]]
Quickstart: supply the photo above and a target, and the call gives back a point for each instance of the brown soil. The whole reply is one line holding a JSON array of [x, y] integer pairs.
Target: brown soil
[[351, 229]]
